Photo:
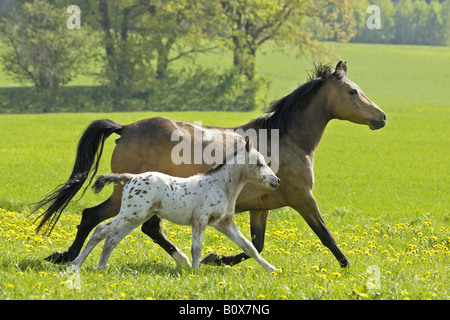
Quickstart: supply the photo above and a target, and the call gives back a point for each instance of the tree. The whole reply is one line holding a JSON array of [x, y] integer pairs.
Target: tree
[[339, 18], [250, 23], [178, 29], [40, 48], [124, 50]]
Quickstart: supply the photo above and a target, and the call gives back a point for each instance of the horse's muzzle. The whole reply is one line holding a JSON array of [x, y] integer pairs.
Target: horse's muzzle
[[377, 124]]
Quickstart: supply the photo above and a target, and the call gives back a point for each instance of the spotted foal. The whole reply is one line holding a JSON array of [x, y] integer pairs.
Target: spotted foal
[[199, 201]]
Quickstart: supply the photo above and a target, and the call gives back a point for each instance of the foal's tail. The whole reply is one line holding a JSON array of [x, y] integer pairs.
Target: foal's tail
[[90, 148], [115, 178]]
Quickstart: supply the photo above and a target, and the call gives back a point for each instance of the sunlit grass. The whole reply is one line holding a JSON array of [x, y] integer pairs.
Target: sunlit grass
[[412, 259]]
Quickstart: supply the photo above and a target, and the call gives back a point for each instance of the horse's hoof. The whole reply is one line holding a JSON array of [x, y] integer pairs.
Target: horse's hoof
[[345, 263], [212, 259], [59, 257]]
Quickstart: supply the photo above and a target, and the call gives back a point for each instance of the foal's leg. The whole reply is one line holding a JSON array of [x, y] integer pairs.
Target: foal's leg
[[198, 228], [120, 227], [228, 227], [99, 234], [258, 220], [89, 219]]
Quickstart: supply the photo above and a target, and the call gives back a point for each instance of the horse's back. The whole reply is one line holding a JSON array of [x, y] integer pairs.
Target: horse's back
[[147, 145]]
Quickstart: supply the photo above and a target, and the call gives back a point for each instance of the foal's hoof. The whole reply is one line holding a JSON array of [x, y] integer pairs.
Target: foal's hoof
[[59, 257], [212, 259]]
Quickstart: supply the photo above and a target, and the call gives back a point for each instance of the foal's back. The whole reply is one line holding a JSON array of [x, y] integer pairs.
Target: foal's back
[[176, 199]]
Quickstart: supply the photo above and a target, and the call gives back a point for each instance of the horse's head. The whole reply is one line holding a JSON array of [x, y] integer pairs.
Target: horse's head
[[256, 168], [346, 101]]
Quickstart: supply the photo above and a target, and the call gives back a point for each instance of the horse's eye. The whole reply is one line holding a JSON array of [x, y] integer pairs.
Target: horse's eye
[[259, 164], [353, 92]]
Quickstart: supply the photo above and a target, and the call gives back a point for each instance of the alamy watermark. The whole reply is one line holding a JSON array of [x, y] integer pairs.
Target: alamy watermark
[[74, 20], [374, 20], [189, 149]]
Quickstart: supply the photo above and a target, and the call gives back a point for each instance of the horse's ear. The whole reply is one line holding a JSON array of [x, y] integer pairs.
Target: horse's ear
[[248, 144], [341, 65]]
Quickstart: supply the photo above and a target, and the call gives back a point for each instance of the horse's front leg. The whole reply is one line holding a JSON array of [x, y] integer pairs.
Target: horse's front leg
[[307, 207], [258, 220], [153, 228]]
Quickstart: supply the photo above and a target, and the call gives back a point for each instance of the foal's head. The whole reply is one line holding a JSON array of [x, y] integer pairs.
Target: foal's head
[[347, 101], [256, 169]]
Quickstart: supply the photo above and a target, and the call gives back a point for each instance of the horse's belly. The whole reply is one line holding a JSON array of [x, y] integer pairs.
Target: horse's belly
[[175, 213]]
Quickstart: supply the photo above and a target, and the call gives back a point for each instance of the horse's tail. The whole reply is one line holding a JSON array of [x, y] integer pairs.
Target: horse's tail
[[115, 178], [90, 149]]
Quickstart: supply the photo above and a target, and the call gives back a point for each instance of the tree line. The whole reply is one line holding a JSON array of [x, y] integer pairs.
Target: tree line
[[131, 47], [408, 22]]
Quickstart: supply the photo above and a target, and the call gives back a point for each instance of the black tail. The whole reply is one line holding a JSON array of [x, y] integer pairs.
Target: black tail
[[90, 148]]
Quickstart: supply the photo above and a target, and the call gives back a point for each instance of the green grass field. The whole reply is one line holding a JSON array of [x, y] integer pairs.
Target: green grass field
[[383, 194]]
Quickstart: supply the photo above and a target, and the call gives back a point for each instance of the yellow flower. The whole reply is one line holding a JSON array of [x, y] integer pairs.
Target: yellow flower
[[336, 274], [261, 296]]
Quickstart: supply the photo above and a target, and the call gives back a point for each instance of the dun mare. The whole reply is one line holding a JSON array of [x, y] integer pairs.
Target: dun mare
[[300, 117], [199, 201]]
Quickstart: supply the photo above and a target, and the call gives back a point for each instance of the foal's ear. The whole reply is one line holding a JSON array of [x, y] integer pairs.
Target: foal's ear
[[248, 144], [341, 65]]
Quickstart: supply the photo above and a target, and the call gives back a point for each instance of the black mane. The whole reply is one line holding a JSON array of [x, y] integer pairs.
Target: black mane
[[220, 165], [280, 111]]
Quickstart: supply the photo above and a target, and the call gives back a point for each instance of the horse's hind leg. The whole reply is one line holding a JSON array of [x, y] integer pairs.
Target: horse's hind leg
[[228, 227], [258, 220], [90, 218], [153, 228]]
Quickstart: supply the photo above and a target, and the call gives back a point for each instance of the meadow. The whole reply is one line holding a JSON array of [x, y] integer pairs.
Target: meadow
[[383, 194]]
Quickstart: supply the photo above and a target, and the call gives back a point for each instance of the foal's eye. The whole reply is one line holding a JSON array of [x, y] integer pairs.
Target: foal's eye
[[259, 164], [353, 92]]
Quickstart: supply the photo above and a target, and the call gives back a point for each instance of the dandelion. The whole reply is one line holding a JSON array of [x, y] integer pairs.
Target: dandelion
[[261, 296], [336, 274], [360, 294]]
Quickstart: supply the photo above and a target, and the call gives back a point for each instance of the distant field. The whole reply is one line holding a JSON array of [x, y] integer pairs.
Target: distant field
[[384, 195]]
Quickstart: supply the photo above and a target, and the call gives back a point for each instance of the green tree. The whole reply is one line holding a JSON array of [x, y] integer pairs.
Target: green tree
[[339, 18], [178, 29], [250, 23], [124, 49], [383, 35], [40, 48]]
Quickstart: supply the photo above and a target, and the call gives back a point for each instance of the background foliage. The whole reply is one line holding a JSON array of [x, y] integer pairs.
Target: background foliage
[[140, 54]]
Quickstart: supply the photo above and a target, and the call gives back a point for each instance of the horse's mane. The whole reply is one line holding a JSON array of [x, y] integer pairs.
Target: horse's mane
[[280, 111]]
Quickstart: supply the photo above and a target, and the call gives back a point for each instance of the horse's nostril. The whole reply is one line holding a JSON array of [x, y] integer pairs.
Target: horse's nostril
[[384, 116]]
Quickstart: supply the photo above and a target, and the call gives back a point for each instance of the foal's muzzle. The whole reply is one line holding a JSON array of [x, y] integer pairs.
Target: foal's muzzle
[[274, 183]]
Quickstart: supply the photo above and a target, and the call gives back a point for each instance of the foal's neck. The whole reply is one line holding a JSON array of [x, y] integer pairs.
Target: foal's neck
[[232, 178]]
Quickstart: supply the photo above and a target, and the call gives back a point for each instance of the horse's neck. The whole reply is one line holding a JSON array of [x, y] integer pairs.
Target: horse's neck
[[308, 127]]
